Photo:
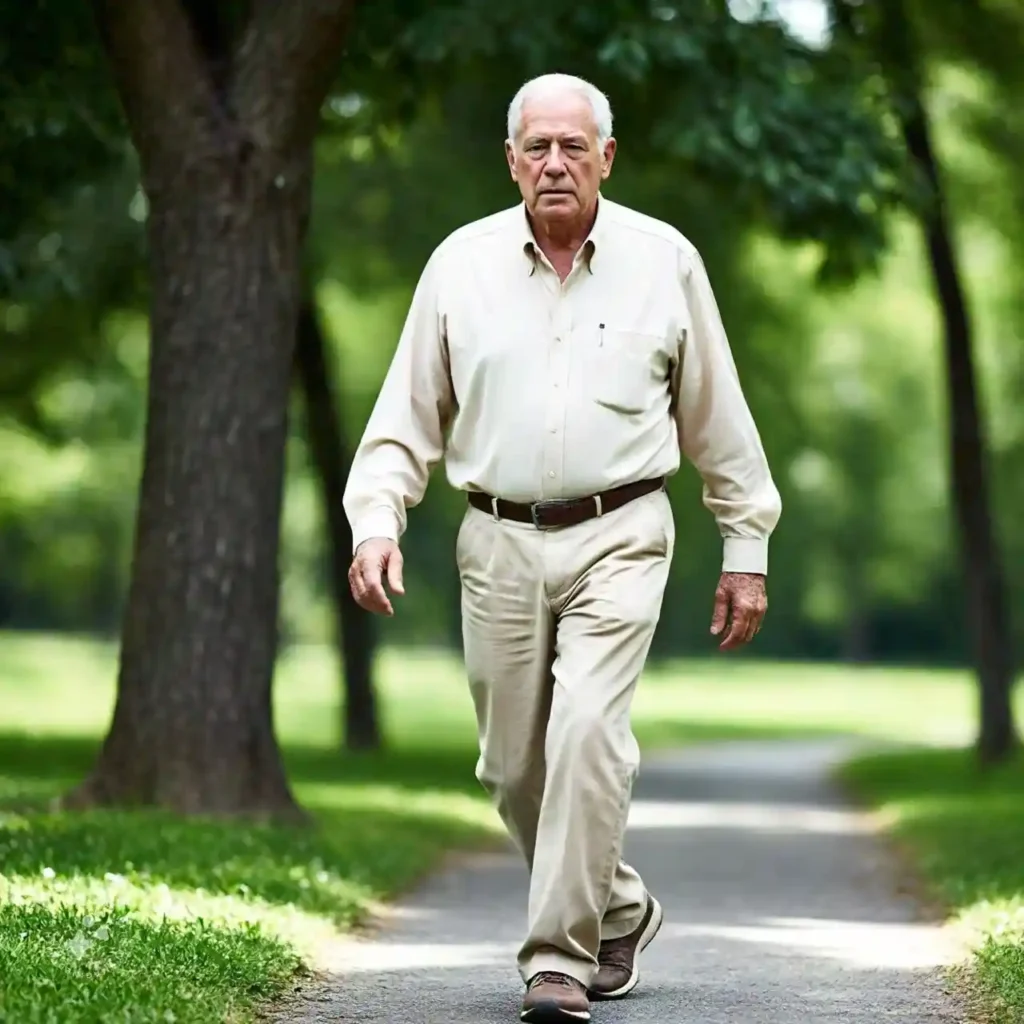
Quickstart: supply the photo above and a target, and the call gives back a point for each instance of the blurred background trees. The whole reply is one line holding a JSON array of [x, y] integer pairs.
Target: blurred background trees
[[778, 138]]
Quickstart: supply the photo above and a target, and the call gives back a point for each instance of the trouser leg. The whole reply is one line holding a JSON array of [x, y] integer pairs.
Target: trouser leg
[[508, 636], [607, 583], [508, 639], [557, 626]]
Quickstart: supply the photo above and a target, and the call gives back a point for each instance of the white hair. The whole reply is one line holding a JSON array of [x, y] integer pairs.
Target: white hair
[[558, 85]]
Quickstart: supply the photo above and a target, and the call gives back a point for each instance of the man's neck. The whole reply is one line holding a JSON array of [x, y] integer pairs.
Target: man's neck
[[563, 238]]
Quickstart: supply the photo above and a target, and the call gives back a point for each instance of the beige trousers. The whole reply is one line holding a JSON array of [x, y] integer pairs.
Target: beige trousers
[[557, 625]]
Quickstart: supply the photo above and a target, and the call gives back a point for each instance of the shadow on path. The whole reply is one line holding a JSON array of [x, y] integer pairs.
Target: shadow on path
[[781, 906]]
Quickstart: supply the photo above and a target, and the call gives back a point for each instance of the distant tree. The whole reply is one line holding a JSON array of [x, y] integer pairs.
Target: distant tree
[[331, 456], [890, 42]]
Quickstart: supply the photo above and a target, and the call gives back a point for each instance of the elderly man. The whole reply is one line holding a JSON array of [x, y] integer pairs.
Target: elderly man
[[561, 356]]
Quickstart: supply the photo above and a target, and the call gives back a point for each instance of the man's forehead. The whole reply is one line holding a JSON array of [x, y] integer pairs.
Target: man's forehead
[[561, 132], [558, 116]]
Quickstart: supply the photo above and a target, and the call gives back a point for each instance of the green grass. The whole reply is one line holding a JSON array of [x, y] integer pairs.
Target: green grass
[[964, 829], [114, 917]]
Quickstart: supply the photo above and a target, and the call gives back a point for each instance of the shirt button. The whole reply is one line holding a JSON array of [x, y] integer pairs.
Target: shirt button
[[551, 473]]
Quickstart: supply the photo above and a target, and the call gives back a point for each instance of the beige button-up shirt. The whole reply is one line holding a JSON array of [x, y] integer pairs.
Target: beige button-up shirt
[[532, 388]]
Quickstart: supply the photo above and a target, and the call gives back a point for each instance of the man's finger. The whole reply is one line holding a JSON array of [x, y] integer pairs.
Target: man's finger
[[375, 596], [756, 619], [738, 628], [721, 611], [753, 625], [368, 590], [395, 572], [360, 593]]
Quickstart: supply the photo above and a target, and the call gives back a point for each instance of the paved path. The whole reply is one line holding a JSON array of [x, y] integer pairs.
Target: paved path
[[780, 907]]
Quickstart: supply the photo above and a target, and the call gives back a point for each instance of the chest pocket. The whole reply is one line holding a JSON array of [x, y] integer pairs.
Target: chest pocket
[[623, 370]]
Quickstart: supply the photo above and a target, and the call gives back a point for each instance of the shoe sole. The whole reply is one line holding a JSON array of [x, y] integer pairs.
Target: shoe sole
[[550, 1012], [652, 929]]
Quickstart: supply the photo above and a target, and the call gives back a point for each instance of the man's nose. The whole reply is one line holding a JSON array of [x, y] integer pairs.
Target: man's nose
[[555, 165]]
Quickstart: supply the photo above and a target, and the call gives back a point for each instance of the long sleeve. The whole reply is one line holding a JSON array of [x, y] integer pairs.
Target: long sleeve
[[717, 433], [404, 436]]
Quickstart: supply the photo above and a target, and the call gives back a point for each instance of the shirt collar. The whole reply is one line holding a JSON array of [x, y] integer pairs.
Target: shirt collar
[[528, 243]]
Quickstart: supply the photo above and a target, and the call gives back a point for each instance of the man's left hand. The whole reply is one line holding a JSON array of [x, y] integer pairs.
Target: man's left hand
[[740, 601]]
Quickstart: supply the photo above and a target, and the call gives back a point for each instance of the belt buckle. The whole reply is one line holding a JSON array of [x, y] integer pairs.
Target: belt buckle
[[539, 505]]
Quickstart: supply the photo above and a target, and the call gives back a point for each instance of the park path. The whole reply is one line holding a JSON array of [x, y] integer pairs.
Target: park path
[[781, 906]]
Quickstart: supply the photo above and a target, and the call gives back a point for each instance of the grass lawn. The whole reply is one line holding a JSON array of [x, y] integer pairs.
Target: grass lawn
[[965, 830], [110, 917]]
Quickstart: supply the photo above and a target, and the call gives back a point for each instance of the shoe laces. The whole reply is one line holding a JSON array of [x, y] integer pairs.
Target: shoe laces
[[554, 978]]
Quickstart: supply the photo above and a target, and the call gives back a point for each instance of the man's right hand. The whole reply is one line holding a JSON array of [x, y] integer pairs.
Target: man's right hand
[[376, 559]]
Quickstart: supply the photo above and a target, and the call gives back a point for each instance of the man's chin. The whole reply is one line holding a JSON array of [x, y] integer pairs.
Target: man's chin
[[554, 206]]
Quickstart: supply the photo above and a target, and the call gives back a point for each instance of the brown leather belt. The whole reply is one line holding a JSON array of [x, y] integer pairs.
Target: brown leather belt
[[555, 512]]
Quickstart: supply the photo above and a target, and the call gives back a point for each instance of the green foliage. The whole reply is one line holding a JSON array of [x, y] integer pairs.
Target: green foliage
[[61, 126], [736, 133], [964, 829], [799, 139]]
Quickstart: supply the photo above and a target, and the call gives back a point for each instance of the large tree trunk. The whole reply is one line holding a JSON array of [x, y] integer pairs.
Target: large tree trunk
[[331, 459], [225, 144], [192, 727], [985, 590]]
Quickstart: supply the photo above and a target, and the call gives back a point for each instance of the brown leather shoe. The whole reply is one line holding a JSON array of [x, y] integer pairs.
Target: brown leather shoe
[[553, 998], [619, 972]]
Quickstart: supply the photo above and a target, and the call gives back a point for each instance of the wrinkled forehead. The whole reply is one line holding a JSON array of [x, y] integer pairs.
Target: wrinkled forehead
[[558, 116]]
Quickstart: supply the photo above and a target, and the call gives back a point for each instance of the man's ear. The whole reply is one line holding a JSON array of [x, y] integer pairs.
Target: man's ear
[[510, 156], [608, 157]]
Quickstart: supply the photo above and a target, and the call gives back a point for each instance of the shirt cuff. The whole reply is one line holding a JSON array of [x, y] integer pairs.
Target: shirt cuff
[[745, 554], [381, 522]]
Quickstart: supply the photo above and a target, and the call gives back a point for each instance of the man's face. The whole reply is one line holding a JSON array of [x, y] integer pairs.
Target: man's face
[[556, 160]]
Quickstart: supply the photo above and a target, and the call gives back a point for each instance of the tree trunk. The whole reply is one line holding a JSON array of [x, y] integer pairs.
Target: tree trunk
[[224, 123], [985, 590], [192, 726], [331, 459]]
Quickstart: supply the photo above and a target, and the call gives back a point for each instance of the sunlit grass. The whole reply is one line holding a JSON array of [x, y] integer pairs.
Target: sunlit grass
[[110, 917], [113, 916], [66, 687], [965, 830]]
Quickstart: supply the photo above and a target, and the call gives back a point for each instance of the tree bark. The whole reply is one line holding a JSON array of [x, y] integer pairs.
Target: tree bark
[[331, 459], [227, 174], [985, 591]]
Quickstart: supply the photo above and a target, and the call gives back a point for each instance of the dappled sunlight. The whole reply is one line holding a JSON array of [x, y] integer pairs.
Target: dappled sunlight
[[861, 945], [750, 817], [864, 945], [139, 860], [384, 957], [114, 898], [999, 920], [327, 870]]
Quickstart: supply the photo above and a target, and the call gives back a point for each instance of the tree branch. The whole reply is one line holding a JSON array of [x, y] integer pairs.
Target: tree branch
[[161, 75], [284, 67]]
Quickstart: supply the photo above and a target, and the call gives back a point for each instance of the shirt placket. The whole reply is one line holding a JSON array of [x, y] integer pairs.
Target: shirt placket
[[556, 406]]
